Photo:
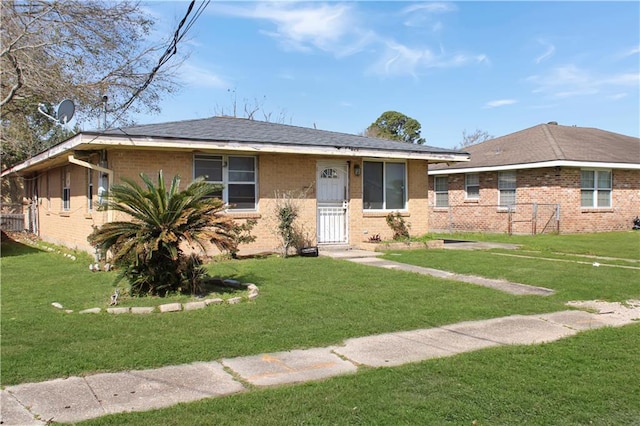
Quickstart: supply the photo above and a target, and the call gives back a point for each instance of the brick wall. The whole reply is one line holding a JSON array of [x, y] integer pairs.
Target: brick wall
[[365, 224], [277, 174], [70, 227], [544, 187]]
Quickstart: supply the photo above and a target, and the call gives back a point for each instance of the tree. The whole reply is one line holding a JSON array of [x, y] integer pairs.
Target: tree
[[286, 212], [28, 135], [149, 247], [395, 126], [251, 110], [79, 50], [473, 138]]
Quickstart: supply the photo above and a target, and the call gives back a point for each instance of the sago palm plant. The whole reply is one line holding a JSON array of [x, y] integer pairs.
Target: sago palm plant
[[149, 248]]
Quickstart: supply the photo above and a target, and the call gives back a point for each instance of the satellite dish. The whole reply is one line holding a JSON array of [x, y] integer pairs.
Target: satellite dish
[[65, 111]]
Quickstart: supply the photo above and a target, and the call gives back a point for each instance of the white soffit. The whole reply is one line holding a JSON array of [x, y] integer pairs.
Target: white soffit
[[556, 163]]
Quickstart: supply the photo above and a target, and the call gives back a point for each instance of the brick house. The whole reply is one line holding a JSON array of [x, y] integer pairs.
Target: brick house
[[350, 183], [548, 178]]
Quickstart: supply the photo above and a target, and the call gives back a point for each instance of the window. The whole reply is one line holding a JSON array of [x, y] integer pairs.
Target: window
[[236, 173], [89, 190], [507, 189], [384, 186], [241, 189], [329, 174], [441, 184], [595, 188], [66, 189], [472, 186]]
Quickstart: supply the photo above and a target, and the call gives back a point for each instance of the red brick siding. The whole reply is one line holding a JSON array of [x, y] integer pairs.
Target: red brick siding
[[542, 186], [276, 172]]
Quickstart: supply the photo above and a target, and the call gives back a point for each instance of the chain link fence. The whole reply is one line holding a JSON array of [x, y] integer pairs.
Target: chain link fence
[[526, 218]]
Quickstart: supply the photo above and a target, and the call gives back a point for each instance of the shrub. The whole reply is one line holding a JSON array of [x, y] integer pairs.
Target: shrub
[[148, 249], [398, 225], [286, 212]]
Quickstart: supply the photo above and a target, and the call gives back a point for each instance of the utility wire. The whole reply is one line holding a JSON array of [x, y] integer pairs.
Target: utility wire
[[171, 50]]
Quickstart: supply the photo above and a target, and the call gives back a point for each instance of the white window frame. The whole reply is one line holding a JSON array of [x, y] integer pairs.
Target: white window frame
[[89, 190], [66, 189], [596, 190], [225, 160], [507, 185], [384, 187], [468, 185], [440, 193]]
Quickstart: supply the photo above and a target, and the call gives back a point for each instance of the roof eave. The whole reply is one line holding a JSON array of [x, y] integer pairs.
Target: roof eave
[[248, 146], [539, 165], [87, 140]]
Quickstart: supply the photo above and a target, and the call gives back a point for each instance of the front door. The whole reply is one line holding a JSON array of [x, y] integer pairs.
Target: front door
[[332, 180]]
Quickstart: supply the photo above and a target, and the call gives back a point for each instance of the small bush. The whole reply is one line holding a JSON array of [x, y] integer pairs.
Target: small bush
[[398, 225], [375, 238], [286, 212], [241, 234]]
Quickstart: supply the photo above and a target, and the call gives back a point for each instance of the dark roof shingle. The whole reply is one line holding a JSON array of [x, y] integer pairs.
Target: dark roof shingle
[[240, 130], [551, 142]]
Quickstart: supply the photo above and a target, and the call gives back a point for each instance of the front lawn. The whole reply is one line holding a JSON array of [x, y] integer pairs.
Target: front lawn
[[578, 267], [588, 379], [624, 244], [317, 302], [303, 303]]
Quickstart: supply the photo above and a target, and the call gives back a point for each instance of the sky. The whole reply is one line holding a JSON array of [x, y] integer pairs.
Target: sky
[[498, 67]]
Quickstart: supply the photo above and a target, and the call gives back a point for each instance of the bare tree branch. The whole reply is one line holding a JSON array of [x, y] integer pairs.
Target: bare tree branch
[[52, 50]]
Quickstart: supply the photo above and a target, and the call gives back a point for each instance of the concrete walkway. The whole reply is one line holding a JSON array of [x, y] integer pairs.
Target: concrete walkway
[[75, 399], [80, 398], [371, 258]]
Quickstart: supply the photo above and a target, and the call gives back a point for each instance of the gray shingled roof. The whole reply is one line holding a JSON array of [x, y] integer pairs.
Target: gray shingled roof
[[243, 130], [551, 142]]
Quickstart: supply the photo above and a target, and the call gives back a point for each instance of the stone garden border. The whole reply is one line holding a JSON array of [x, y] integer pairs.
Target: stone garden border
[[167, 307], [175, 307], [402, 245]]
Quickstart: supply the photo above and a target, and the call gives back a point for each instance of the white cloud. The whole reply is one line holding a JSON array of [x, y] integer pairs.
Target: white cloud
[[434, 7], [633, 51], [578, 92], [423, 15], [628, 79], [570, 81], [196, 76], [303, 27], [549, 51], [339, 29], [617, 96], [499, 103], [399, 59]]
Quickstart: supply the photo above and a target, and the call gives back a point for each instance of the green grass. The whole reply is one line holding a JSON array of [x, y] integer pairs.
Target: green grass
[[562, 263], [570, 280], [303, 302], [590, 378], [316, 302], [624, 245]]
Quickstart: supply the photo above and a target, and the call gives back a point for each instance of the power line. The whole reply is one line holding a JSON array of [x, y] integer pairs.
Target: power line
[[171, 50]]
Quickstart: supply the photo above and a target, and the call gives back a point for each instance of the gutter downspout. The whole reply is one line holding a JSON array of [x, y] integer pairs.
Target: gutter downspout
[[109, 172]]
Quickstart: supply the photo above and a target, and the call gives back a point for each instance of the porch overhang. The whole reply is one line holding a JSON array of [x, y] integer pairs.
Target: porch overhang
[[58, 155], [538, 165]]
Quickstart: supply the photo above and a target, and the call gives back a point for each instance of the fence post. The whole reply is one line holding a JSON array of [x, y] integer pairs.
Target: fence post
[[534, 218], [509, 218]]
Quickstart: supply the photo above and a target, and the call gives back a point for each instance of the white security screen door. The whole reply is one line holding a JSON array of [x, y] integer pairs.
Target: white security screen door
[[331, 178]]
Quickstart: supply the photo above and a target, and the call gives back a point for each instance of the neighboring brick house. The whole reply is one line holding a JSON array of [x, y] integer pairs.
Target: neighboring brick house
[[548, 178], [350, 182]]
